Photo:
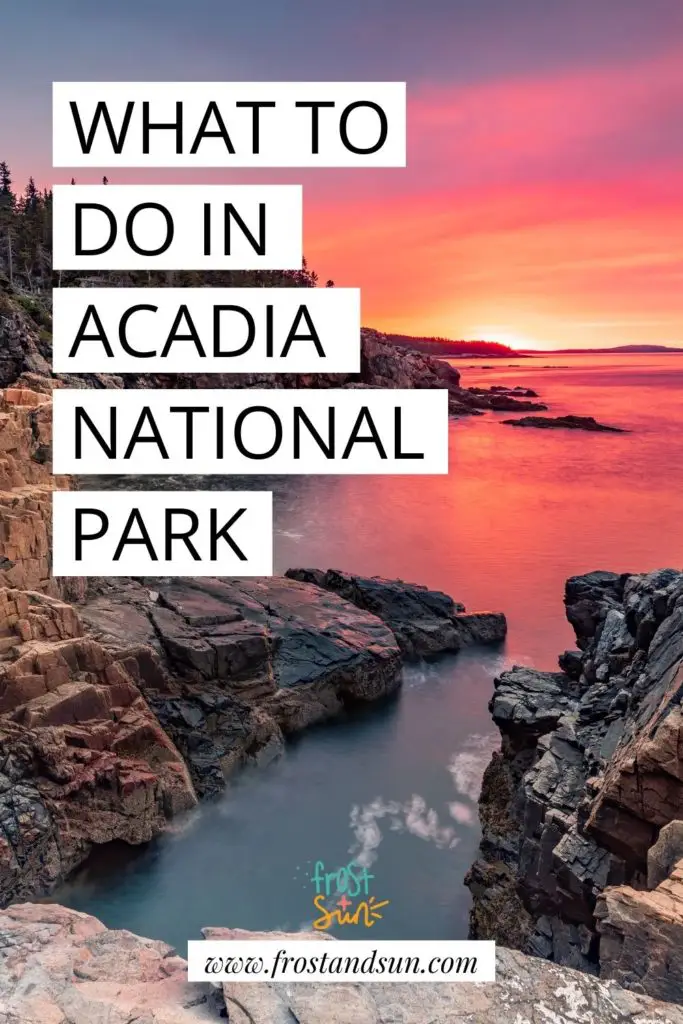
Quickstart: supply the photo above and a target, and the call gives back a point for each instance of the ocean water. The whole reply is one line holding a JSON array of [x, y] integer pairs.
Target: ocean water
[[396, 786]]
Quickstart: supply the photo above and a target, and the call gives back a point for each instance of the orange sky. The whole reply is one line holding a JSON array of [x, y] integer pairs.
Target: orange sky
[[542, 203], [550, 214]]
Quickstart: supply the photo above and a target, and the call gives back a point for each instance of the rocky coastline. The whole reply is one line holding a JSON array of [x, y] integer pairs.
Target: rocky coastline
[[581, 858], [26, 354], [124, 702], [57, 965]]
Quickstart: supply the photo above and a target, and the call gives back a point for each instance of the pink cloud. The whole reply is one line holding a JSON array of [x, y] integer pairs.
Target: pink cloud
[[540, 119], [545, 203]]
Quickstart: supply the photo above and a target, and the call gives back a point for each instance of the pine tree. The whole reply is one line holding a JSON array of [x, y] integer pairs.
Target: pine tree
[[26, 253], [6, 193], [7, 207], [31, 198]]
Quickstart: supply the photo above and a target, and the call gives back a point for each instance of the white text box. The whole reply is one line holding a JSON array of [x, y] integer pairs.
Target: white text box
[[213, 431], [177, 227], [345, 961], [224, 124], [206, 330], [227, 533]]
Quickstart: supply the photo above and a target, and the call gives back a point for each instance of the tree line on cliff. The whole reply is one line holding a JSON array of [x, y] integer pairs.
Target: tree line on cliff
[[26, 253], [26, 270]]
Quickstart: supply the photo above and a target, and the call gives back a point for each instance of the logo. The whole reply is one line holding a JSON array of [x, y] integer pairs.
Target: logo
[[342, 897]]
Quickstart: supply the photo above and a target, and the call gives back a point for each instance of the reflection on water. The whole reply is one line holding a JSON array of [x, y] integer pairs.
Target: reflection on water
[[376, 786], [396, 786]]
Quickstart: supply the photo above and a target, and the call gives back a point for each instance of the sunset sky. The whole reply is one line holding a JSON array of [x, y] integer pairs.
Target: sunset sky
[[542, 204]]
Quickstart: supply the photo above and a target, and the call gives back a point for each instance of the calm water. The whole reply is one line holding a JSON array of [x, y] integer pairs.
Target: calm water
[[396, 786]]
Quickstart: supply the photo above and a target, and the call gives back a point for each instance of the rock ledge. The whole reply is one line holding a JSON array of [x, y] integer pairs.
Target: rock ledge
[[58, 966]]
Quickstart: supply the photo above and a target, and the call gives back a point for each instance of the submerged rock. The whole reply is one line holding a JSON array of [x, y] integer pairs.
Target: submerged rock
[[506, 402], [500, 389], [60, 965], [565, 422]]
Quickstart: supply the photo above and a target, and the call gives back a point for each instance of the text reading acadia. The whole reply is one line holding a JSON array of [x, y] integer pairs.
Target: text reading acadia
[[206, 330]]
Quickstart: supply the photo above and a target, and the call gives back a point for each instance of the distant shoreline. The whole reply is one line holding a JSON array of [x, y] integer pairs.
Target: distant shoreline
[[623, 350], [446, 348]]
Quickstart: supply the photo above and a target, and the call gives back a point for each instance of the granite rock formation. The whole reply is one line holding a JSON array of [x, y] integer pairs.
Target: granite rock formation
[[640, 936], [82, 758], [57, 965], [579, 860], [23, 348], [26, 486], [26, 352], [245, 661], [118, 711], [424, 622]]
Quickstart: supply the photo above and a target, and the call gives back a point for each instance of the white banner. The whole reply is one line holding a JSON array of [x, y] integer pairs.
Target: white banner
[[206, 330], [339, 962], [177, 227], [162, 533], [208, 431], [229, 124]]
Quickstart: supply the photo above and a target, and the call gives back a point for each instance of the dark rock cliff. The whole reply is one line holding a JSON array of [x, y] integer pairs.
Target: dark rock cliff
[[590, 771]]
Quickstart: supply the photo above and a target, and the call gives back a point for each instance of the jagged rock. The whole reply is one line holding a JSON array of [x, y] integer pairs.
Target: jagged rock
[[529, 701], [23, 346], [571, 664], [590, 775], [588, 599], [58, 965], [386, 366], [480, 628], [665, 854], [247, 661], [26, 485], [83, 760], [508, 403], [425, 622], [641, 935]]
